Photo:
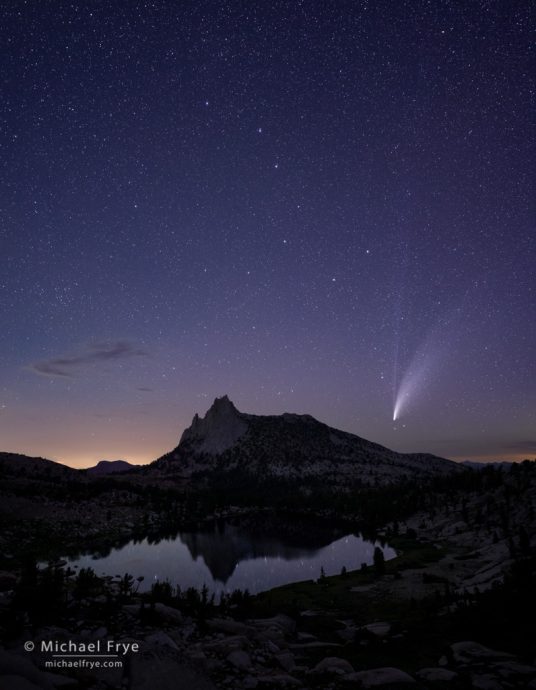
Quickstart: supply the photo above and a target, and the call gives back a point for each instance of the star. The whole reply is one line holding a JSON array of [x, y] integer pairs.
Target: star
[[368, 166]]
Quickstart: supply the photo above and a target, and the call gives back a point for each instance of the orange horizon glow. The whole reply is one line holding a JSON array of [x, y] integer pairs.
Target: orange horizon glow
[[90, 459]]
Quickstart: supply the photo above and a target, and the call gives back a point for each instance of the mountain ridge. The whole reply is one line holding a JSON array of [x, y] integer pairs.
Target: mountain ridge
[[37, 466], [105, 467], [288, 447]]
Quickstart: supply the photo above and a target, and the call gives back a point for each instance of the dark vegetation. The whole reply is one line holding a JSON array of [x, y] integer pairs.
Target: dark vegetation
[[158, 510], [501, 617]]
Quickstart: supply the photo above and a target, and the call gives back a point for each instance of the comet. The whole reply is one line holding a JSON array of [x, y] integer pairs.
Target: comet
[[438, 345], [414, 381], [410, 386]]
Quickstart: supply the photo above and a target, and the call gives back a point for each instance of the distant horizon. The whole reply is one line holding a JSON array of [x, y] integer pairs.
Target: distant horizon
[[87, 461], [313, 208], [484, 460]]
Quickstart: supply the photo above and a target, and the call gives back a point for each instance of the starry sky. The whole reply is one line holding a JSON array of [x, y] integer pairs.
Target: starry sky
[[314, 207]]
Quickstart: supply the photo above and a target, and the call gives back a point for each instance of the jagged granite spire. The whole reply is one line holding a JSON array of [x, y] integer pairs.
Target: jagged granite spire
[[218, 430], [287, 447]]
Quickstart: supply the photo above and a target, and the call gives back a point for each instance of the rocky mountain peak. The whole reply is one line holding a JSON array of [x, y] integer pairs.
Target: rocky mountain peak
[[221, 404], [218, 430], [288, 447], [110, 467]]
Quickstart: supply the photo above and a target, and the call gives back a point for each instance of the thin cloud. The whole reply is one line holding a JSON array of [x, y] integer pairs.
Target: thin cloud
[[524, 445], [70, 365]]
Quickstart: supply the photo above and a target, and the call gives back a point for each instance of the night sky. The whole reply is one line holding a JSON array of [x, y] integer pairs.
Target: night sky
[[314, 207]]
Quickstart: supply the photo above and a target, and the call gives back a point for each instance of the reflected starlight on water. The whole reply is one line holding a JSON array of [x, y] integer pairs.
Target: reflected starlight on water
[[233, 559]]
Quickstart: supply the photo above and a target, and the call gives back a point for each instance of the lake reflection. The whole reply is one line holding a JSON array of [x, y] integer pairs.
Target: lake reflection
[[235, 556]]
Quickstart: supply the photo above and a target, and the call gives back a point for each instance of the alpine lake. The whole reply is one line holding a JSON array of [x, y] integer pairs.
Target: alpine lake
[[226, 555]]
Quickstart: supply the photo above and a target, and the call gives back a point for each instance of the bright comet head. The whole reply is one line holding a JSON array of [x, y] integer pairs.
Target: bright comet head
[[396, 411]]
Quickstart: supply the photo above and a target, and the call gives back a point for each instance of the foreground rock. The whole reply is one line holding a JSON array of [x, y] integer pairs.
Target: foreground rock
[[471, 651], [436, 674], [376, 677], [334, 665]]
